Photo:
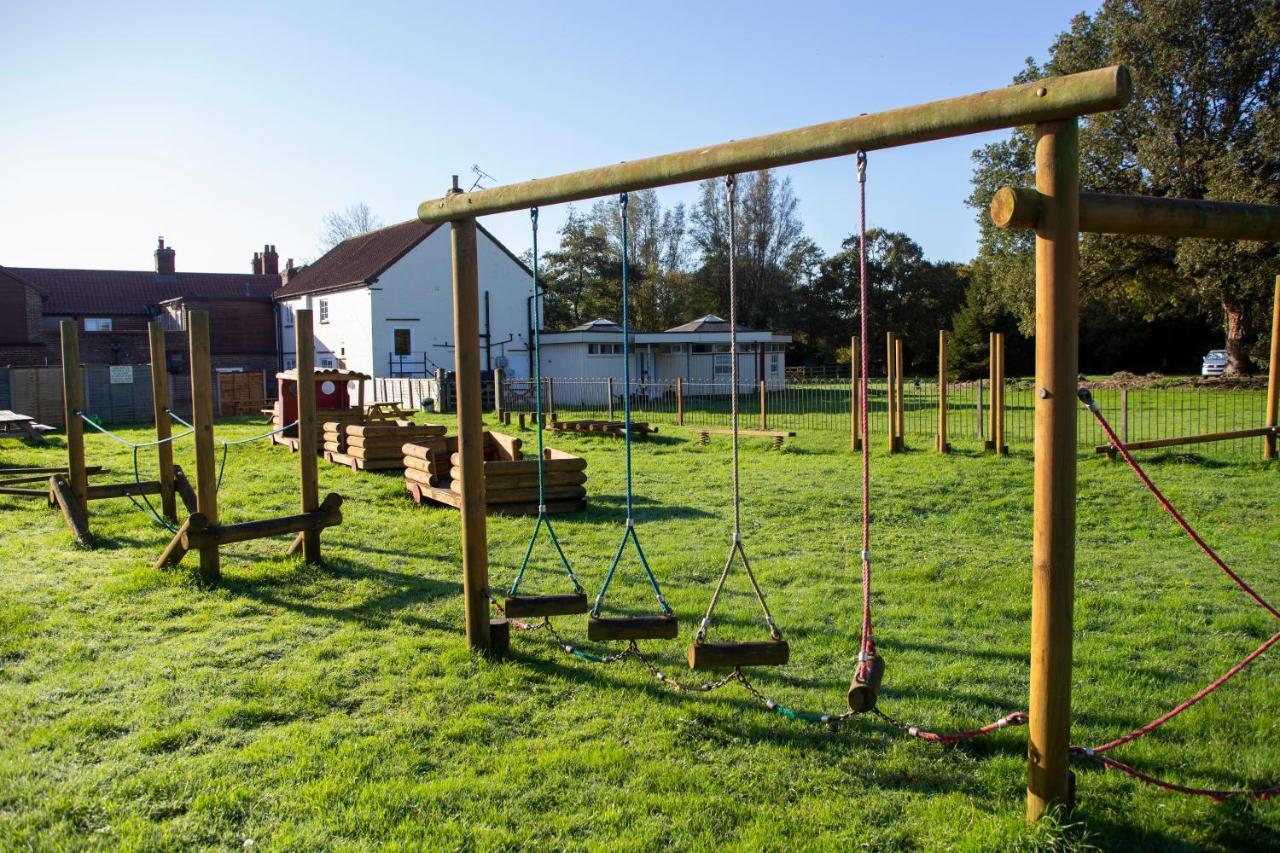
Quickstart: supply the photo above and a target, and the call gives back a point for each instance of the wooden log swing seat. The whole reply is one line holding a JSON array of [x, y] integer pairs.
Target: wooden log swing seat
[[202, 531]]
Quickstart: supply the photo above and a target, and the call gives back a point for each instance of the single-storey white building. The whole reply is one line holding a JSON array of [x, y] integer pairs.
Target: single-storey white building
[[382, 304], [696, 353]]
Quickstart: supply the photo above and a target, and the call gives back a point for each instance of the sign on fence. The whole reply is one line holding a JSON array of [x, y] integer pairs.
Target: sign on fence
[[121, 374]]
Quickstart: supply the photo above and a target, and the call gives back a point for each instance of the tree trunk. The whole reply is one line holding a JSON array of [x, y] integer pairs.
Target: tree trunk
[[1238, 363]]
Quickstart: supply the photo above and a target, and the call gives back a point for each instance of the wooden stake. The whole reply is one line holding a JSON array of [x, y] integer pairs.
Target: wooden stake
[[308, 475], [202, 418], [1002, 449], [943, 447], [890, 394], [764, 407], [679, 401], [1273, 375], [1054, 519], [550, 411], [73, 404], [902, 399], [498, 374], [1124, 415], [160, 412], [466, 332], [608, 389], [991, 383]]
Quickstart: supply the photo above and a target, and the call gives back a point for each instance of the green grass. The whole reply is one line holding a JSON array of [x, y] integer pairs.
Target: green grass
[[337, 707]]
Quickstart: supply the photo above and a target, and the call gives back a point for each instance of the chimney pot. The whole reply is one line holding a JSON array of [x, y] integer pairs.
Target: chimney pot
[[165, 263], [270, 261]]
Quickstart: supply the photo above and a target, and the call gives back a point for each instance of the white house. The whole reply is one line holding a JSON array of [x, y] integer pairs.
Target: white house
[[696, 352], [382, 303]]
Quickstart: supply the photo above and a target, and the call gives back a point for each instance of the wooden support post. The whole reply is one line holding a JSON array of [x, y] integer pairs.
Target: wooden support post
[[890, 395], [202, 418], [164, 426], [1002, 449], [764, 406], [1054, 515], [679, 401], [1124, 415], [498, 376], [550, 410], [73, 404], [898, 371], [77, 518], [855, 376], [308, 475], [943, 447], [981, 422], [466, 334], [991, 383], [608, 389], [1273, 376]]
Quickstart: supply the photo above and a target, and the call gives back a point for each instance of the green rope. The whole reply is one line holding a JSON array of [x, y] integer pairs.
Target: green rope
[[543, 517], [630, 532]]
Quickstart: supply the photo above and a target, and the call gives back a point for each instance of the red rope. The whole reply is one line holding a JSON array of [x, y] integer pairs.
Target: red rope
[[1215, 794], [868, 641]]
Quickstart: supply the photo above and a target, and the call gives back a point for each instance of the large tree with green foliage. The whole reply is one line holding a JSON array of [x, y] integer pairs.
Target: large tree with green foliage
[[1203, 124]]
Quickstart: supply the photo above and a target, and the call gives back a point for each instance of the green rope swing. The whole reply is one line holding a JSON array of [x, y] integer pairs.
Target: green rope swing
[[544, 520], [629, 533]]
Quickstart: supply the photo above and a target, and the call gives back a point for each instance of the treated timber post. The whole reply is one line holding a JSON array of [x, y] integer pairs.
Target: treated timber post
[[608, 391], [991, 383], [1002, 449], [981, 422], [498, 375], [855, 434], [764, 410], [902, 397], [890, 394], [164, 426], [73, 405], [202, 418], [551, 401], [1054, 514], [679, 400], [308, 475], [1124, 415], [466, 333], [942, 392], [1273, 376]]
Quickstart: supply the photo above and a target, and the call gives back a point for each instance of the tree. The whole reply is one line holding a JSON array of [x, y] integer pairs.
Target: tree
[[1203, 124], [354, 220]]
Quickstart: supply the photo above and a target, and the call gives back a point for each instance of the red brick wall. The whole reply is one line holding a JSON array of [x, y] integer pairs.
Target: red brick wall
[[22, 355], [19, 313], [239, 327]]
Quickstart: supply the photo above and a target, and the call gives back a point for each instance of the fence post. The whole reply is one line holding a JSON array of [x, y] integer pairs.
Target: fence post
[[890, 396], [160, 411], [498, 376], [855, 435], [981, 422], [679, 401], [1124, 415], [551, 401], [943, 447], [1273, 377], [73, 400], [990, 443], [1002, 449], [439, 401], [902, 399], [608, 388], [764, 410]]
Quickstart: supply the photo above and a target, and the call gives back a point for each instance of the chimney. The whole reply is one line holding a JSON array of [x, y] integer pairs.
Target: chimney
[[288, 273], [270, 261], [256, 266], [164, 260]]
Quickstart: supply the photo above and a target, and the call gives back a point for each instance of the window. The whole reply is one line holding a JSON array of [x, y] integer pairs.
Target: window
[[723, 365], [700, 348], [403, 341], [290, 364], [720, 348], [97, 324], [286, 316], [774, 361], [604, 349], [776, 347], [670, 349], [326, 362], [324, 310]]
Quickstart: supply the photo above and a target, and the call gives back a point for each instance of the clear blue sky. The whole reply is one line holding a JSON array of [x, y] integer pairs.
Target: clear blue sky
[[224, 126]]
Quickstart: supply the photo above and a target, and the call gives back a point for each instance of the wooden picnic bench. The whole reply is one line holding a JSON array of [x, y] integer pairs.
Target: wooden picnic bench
[[24, 424]]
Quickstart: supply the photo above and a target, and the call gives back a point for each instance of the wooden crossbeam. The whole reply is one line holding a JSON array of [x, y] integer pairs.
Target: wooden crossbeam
[[1204, 438]]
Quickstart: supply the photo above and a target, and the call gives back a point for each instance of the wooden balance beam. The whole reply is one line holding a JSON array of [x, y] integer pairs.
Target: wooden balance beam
[[196, 532], [1112, 451]]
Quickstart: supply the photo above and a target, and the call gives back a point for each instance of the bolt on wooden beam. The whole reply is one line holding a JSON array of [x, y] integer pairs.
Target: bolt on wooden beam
[[1099, 90]]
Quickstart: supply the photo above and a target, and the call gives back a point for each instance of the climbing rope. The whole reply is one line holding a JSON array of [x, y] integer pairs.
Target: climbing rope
[[735, 548], [145, 504], [1096, 753], [629, 531], [544, 519], [868, 644]]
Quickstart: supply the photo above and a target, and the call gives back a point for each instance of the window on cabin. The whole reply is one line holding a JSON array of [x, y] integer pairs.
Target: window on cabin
[[723, 365], [403, 341], [324, 310], [97, 324]]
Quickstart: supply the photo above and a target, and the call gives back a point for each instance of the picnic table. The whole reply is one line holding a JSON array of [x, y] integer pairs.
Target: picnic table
[[25, 424]]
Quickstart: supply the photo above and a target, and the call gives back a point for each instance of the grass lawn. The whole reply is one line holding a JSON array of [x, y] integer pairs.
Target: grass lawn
[[337, 707]]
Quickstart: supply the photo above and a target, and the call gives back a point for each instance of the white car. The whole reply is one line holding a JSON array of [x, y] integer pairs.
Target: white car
[[1215, 363]]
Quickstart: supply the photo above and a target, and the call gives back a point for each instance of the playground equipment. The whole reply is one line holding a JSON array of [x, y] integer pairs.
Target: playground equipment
[[333, 402], [995, 375], [613, 429], [373, 445], [1267, 431], [1058, 213], [431, 473], [202, 530], [777, 435], [71, 491]]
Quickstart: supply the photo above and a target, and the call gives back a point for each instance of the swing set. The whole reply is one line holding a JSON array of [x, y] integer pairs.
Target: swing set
[[1057, 211]]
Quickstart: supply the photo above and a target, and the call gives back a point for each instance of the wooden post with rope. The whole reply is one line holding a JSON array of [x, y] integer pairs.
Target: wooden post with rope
[[164, 426], [202, 418], [943, 445], [1273, 377]]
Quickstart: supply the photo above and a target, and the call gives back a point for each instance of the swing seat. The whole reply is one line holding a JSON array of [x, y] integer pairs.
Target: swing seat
[[863, 693], [632, 628], [733, 655], [521, 606]]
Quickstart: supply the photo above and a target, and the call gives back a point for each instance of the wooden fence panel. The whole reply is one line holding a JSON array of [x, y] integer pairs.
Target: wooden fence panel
[[37, 391]]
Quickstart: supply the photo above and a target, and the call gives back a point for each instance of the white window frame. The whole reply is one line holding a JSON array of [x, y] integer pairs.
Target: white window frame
[[286, 315], [97, 324], [395, 329], [598, 349], [323, 310], [721, 360]]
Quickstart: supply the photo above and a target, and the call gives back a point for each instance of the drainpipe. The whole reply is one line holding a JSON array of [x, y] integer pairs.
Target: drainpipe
[[488, 336]]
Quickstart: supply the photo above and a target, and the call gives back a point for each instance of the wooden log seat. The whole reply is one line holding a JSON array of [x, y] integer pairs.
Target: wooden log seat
[[734, 655]]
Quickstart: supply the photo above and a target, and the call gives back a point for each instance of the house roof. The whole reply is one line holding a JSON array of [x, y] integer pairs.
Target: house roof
[[116, 292], [597, 325], [357, 260], [709, 323], [11, 275]]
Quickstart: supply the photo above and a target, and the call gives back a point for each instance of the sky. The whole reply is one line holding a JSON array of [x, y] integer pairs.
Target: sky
[[226, 126]]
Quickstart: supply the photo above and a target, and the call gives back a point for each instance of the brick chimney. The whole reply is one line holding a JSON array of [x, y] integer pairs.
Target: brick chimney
[[165, 264], [288, 273], [270, 261], [257, 264]]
